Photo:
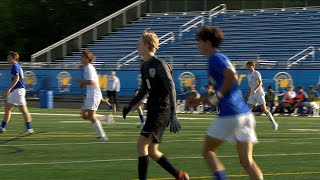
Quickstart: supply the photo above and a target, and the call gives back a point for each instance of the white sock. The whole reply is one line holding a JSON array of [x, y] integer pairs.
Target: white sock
[[271, 118], [97, 125], [100, 117]]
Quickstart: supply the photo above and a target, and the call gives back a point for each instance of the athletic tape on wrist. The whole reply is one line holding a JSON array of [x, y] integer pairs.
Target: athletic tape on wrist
[[219, 94]]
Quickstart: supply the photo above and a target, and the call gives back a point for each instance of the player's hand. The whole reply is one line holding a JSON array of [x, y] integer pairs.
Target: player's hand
[[215, 99], [82, 85], [125, 111], [6, 93], [174, 122]]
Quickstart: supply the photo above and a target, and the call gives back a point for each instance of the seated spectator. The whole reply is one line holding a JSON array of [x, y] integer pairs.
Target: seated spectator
[[301, 101], [193, 100], [313, 100], [270, 98], [287, 101]]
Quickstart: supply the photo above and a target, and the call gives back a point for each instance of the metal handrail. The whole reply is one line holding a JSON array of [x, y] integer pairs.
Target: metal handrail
[[312, 53], [182, 30], [172, 38], [213, 11], [84, 30]]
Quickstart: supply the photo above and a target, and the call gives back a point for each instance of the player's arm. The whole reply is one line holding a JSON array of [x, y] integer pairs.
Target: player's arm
[[259, 80], [249, 92], [118, 84], [15, 80], [229, 78], [87, 82], [141, 92], [83, 83], [164, 72]]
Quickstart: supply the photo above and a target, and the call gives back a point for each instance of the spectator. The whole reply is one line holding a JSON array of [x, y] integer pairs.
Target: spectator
[[301, 101], [193, 100], [270, 98], [287, 101], [113, 88], [313, 100]]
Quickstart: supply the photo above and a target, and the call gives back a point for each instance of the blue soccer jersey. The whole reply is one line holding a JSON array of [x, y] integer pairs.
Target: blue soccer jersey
[[232, 103], [16, 69]]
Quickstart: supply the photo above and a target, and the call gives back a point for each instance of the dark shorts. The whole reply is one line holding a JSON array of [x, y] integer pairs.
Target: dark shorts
[[156, 124]]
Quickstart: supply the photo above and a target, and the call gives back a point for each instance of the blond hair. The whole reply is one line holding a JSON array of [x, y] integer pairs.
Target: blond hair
[[89, 55], [14, 55], [151, 39]]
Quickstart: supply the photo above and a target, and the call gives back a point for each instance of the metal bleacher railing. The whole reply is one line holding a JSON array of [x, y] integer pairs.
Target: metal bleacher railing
[[301, 56], [184, 52], [162, 40], [186, 27]]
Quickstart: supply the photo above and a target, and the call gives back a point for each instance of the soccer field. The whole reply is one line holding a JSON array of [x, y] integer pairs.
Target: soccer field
[[65, 148]]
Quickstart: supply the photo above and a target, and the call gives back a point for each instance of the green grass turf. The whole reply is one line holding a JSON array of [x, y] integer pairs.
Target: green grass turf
[[64, 148]]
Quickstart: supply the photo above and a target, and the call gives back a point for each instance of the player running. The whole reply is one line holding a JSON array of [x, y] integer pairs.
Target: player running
[[256, 93]]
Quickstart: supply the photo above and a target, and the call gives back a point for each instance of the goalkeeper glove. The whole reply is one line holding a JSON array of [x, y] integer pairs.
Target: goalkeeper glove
[[173, 122], [125, 111]]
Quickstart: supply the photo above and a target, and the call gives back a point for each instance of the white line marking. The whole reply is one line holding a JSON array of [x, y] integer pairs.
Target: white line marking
[[305, 130], [78, 115], [134, 159]]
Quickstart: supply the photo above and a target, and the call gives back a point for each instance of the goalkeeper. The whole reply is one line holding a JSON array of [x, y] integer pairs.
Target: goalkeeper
[[156, 80]]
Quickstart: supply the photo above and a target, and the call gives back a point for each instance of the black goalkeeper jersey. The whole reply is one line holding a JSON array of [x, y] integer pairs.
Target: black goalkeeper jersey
[[157, 81]]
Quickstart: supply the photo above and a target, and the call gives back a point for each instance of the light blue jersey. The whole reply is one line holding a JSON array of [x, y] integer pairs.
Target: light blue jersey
[[232, 103], [16, 69]]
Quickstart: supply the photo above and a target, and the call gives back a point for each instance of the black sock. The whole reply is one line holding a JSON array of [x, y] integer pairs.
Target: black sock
[[165, 164], [143, 167]]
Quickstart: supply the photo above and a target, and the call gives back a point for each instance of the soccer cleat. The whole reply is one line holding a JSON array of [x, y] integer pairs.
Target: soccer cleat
[[183, 176], [102, 139], [275, 126], [2, 130], [30, 131], [140, 125]]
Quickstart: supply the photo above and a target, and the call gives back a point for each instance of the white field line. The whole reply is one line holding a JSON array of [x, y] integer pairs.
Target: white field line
[[134, 142], [117, 116], [134, 159]]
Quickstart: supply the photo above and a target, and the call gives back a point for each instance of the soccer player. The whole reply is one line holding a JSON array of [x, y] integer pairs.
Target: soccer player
[[256, 93], [235, 120], [93, 95], [15, 95], [156, 80]]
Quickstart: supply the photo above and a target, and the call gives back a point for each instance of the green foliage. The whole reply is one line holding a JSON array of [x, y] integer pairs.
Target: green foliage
[[28, 26]]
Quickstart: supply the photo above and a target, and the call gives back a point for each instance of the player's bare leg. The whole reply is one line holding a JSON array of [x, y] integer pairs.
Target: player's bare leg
[[6, 117], [264, 109], [90, 115], [209, 153], [27, 118], [245, 155]]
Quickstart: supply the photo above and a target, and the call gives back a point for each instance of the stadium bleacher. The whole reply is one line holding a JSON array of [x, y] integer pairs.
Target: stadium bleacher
[[270, 36]]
